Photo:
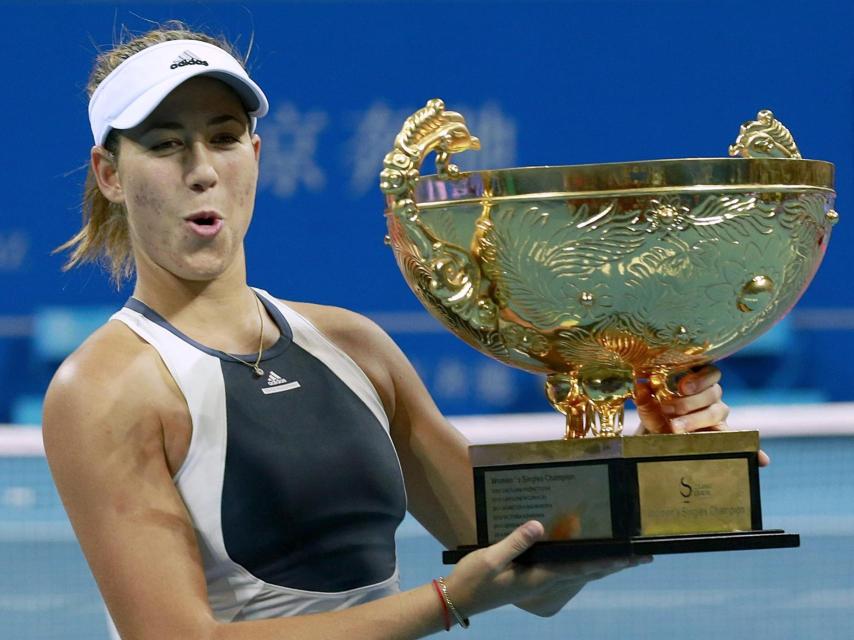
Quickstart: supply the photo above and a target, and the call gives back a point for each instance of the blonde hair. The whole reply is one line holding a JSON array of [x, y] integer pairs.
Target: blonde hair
[[104, 236]]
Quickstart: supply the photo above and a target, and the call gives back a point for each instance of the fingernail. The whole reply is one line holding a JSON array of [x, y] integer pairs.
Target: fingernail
[[636, 561], [678, 425]]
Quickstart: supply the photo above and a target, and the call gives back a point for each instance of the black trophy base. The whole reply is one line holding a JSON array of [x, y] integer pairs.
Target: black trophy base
[[644, 546]]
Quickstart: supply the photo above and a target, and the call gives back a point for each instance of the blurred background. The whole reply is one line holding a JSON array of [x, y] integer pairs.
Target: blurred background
[[560, 82]]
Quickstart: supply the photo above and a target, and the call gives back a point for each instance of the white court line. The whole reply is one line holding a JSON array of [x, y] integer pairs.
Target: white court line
[[826, 419], [802, 420], [21, 440]]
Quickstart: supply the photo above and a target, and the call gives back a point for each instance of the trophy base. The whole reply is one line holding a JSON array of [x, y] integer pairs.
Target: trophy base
[[623, 496], [561, 551]]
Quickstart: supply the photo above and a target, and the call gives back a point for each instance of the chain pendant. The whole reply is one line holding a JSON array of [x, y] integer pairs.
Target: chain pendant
[[259, 372]]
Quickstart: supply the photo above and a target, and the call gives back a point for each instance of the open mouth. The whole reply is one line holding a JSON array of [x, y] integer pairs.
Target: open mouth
[[204, 217], [205, 223]]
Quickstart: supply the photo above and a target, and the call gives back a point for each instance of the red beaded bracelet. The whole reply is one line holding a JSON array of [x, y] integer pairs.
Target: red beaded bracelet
[[445, 612]]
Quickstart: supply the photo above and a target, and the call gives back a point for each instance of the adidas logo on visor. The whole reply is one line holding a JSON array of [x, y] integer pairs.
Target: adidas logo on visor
[[277, 384], [185, 59]]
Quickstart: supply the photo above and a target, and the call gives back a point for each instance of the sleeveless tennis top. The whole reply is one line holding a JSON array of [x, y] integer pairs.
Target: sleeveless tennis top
[[291, 479]]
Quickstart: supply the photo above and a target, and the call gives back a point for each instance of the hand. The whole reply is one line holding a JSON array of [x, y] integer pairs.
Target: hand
[[553, 600], [696, 406], [488, 578]]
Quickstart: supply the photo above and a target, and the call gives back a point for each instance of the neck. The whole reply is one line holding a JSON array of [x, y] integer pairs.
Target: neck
[[221, 313]]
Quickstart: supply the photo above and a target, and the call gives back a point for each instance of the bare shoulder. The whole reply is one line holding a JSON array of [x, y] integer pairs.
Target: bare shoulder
[[348, 329], [112, 359], [112, 381], [365, 342]]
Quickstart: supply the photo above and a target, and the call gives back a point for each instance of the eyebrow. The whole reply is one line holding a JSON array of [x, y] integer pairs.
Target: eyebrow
[[212, 122]]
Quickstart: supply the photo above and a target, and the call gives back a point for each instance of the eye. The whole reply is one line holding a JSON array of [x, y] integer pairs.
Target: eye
[[225, 139], [165, 145]]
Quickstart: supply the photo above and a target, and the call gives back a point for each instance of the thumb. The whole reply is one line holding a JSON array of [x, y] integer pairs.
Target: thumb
[[649, 411], [643, 393], [520, 540]]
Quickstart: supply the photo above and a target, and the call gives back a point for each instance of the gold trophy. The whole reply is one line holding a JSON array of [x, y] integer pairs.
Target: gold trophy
[[598, 275]]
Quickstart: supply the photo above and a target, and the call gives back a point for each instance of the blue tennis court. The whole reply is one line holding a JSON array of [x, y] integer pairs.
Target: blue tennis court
[[46, 591]]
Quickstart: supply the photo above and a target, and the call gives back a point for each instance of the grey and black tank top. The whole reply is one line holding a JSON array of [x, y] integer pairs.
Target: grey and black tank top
[[291, 479]]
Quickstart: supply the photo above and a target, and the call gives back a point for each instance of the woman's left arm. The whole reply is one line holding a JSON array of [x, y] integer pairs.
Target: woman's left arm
[[434, 455]]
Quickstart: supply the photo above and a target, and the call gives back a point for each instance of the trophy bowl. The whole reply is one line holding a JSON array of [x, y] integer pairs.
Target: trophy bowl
[[599, 275]]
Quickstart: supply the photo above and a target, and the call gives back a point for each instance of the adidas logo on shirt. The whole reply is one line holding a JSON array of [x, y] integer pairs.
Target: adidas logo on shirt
[[277, 384], [185, 59]]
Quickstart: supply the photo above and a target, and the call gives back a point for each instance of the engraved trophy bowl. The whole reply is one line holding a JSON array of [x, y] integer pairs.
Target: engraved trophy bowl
[[601, 274]]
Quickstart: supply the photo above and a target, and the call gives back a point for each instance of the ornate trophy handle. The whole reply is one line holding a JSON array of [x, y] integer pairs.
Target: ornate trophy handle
[[428, 129], [448, 275], [765, 137]]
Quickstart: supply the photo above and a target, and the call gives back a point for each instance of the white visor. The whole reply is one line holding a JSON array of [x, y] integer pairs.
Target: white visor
[[133, 90]]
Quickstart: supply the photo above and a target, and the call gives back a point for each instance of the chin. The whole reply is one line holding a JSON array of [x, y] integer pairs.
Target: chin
[[201, 275], [202, 270]]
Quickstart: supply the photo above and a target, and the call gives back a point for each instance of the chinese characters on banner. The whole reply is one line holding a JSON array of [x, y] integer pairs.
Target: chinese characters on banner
[[291, 159]]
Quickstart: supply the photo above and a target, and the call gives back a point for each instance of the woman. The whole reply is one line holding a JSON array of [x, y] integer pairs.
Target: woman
[[234, 465]]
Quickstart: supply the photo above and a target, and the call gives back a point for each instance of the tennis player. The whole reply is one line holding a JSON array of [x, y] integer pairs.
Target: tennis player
[[235, 466]]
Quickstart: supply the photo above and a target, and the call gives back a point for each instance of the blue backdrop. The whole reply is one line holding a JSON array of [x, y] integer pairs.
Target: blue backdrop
[[540, 82]]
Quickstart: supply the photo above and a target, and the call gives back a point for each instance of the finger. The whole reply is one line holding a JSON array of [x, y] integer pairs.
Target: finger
[[606, 570], [649, 411], [598, 575], [699, 379], [681, 405], [503, 552], [764, 459], [712, 417], [563, 572]]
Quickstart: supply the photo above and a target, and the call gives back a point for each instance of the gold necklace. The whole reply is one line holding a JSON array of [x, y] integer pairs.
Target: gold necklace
[[255, 368]]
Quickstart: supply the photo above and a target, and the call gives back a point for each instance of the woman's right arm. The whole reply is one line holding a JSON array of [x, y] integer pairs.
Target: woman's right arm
[[106, 428], [104, 432]]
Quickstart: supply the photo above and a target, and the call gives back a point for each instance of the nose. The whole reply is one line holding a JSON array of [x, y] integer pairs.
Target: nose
[[200, 173]]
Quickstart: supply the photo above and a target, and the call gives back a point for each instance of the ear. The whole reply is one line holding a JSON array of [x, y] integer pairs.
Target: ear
[[256, 144], [106, 171]]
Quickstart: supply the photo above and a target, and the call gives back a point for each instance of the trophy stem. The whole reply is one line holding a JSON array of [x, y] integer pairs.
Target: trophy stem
[[576, 424], [564, 393], [601, 415], [606, 418], [606, 392]]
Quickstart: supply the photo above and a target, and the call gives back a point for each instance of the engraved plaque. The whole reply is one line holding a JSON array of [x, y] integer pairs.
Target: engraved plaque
[[694, 496], [572, 502]]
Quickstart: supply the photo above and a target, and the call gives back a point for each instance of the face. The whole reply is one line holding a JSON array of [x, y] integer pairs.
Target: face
[[187, 177]]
